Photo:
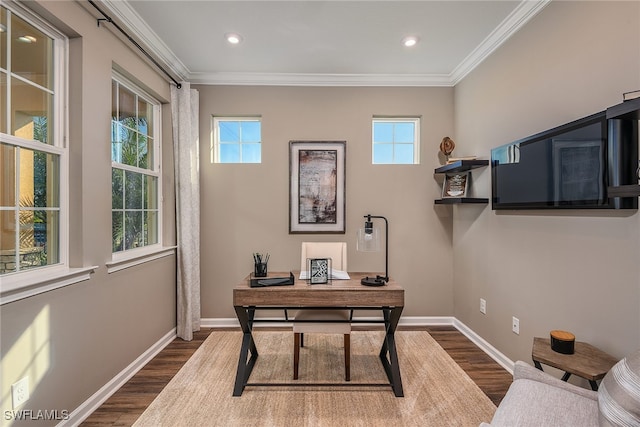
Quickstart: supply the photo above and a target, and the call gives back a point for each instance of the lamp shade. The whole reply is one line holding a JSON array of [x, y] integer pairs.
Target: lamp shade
[[368, 240]]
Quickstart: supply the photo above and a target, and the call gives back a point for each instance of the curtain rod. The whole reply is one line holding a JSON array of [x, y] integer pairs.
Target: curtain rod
[[135, 43]]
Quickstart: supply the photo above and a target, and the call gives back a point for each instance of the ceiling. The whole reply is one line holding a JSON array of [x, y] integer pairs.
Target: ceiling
[[312, 42]]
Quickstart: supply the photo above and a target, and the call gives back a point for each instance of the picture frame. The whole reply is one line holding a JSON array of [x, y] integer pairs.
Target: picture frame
[[578, 170], [317, 187], [319, 270], [455, 185]]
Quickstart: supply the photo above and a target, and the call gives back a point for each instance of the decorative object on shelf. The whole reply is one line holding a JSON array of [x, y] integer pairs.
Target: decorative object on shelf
[[457, 167], [447, 146], [455, 184], [562, 342], [317, 187], [369, 241], [260, 264]]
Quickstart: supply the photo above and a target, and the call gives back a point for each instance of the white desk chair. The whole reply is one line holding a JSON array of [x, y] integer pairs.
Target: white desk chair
[[337, 251]]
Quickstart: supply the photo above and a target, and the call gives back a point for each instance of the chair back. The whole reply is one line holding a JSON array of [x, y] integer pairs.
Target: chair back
[[337, 251]]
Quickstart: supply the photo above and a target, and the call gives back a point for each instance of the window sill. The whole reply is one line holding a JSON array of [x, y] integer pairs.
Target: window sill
[[138, 257], [24, 285]]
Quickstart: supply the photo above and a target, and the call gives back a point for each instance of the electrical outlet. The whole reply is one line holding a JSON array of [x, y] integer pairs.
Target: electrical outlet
[[20, 392], [515, 325], [483, 306]]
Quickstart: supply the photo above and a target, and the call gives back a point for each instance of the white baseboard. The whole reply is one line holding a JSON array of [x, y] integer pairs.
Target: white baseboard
[[490, 350], [230, 322], [90, 405], [496, 355]]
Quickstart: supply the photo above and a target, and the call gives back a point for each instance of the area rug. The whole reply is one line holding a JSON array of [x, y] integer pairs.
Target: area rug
[[437, 392]]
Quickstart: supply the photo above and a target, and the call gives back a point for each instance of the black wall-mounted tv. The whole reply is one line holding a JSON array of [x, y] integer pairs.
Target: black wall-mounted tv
[[567, 167]]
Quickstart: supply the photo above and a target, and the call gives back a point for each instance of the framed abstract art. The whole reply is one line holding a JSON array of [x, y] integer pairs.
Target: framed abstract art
[[317, 187]]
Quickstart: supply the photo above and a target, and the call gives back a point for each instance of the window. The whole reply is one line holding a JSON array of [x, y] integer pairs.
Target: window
[[237, 140], [135, 167], [33, 156], [396, 141]]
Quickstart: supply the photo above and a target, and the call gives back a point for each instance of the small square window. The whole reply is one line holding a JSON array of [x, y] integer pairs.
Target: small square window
[[396, 141], [237, 140]]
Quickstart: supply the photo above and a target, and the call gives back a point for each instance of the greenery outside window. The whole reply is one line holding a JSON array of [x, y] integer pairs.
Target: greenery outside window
[[237, 139], [396, 141], [135, 167], [33, 156]]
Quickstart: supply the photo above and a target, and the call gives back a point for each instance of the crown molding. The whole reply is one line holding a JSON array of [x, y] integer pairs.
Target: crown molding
[[140, 30], [526, 10], [311, 79], [134, 24]]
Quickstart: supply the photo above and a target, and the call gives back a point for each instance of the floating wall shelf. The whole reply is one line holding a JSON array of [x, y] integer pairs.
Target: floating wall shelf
[[461, 166], [461, 200]]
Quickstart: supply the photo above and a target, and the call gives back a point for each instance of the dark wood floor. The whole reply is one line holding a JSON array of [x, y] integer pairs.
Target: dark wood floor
[[125, 406]]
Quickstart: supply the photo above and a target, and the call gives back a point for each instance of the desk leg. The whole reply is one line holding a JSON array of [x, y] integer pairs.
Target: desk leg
[[390, 363], [245, 317]]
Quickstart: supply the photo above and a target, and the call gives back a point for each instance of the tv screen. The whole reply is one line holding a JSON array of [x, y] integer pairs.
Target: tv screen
[[565, 167]]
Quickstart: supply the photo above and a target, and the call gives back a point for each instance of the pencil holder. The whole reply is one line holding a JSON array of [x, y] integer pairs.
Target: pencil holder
[[260, 269]]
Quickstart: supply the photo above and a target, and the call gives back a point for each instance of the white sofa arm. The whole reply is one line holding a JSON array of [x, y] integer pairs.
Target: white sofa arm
[[523, 370]]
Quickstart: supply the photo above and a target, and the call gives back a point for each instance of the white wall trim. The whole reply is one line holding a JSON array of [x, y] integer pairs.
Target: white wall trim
[[139, 29], [138, 257], [484, 345], [90, 405], [232, 322], [493, 352], [511, 24], [314, 79], [27, 284]]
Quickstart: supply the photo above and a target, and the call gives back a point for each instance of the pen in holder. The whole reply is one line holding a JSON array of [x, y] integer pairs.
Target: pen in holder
[[260, 265]]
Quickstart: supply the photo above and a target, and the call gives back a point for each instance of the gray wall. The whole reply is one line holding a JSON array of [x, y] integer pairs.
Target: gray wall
[[571, 270], [245, 206], [72, 341]]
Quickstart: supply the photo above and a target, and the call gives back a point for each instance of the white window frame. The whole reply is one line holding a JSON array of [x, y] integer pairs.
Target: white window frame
[[22, 284], [132, 257], [416, 137], [216, 136]]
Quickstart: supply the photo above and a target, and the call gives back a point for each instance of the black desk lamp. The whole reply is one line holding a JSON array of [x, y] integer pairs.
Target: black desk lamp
[[369, 241]]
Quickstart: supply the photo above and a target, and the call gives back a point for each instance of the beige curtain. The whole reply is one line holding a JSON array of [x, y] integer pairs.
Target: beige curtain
[[184, 113]]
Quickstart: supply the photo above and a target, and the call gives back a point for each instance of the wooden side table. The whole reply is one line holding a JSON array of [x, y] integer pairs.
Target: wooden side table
[[587, 361]]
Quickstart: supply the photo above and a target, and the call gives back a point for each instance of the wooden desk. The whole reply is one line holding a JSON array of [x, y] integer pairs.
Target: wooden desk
[[587, 361], [343, 294]]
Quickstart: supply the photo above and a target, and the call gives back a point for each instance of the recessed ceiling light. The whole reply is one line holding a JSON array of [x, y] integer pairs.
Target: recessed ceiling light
[[410, 41], [233, 38]]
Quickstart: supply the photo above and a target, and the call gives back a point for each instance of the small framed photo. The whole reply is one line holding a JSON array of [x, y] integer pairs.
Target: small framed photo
[[455, 185], [319, 269]]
